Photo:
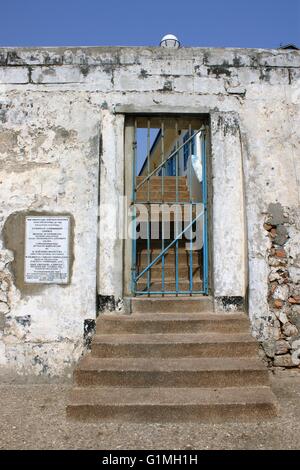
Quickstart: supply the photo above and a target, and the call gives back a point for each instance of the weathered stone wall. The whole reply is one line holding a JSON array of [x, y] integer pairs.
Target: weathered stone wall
[[49, 164], [61, 121], [282, 226]]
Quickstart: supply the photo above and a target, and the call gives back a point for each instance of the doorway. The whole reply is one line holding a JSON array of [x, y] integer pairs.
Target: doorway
[[168, 204]]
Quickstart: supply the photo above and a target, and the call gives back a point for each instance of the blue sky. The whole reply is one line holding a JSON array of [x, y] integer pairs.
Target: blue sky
[[212, 23]]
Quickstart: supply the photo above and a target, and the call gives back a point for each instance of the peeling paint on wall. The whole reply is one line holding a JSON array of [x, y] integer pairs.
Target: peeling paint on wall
[[55, 103]]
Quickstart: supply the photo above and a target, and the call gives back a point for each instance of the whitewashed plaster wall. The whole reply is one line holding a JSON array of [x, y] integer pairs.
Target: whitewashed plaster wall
[[61, 121]]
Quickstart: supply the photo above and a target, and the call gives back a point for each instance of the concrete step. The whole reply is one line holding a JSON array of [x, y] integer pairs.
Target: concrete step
[[155, 214], [174, 345], [169, 286], [169, 270], [172, 304], [169, 263], [179, 372], [162, 405], [168, 183], [168, 189], [167, 196], [157, 180], [169, 257], [156, 247], [183, 244], [169, 323], [172, 360]]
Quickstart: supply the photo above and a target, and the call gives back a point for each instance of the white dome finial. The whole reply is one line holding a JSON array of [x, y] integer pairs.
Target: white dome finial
[[170, 41]]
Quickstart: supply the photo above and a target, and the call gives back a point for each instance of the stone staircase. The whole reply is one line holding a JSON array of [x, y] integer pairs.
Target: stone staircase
[[172, 360], [184, 257]]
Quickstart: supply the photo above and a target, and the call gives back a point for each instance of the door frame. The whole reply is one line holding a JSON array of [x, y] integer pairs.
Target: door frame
[[129, 138]]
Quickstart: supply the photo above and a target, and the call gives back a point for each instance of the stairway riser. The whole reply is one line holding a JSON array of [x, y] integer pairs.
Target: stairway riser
[[203, 379], [138, 327], [170, 287], [183, 273], [172, 414], [155, 249], [169, 271], [156, 244], [185, 217], [169, 190], [183, 262], [169, 197], [175, 350], [161, 306], [158, 198], [182, 284], [157, 180], [169, 187]]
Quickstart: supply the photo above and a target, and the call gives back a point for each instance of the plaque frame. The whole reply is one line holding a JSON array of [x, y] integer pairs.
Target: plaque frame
[[49, 216]]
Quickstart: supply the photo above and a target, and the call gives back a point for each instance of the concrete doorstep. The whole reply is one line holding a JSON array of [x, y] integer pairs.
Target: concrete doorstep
[[171, 367]]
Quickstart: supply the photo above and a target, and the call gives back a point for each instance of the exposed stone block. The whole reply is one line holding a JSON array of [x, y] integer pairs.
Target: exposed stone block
[[278, 58], [278, 303], [269, 347], [281, 292], [129, 82], [284, 360], [14, 75], [3, 296], [282, 317], [4, 308], [34, 57], [3, 57], [204, 85], [89, 331], [170, 67], [289, 330], [276, 212], [281, 235], [294, 316], [72, 75], [227, 58], [238, 90], [282, 347]]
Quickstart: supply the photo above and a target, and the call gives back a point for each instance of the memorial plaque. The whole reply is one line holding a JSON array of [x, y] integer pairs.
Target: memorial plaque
[[47, 241]]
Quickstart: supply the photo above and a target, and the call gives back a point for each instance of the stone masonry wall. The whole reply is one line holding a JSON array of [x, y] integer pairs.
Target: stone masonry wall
[[61, 133], [282, 226]]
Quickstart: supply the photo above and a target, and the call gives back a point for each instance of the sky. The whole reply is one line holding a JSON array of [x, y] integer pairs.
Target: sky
[[209, 23], [202, 23]]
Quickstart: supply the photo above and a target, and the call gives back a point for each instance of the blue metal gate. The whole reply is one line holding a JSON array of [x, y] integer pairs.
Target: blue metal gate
[[183, 189]]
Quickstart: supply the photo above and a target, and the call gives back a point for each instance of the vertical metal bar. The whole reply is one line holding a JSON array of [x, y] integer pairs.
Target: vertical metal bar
[[177, 199], [204, 199], [162, 130], [148, 208], [190, 161], [191, 250], [148, 158], [191, 209], [176, 160], [133, 197]]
